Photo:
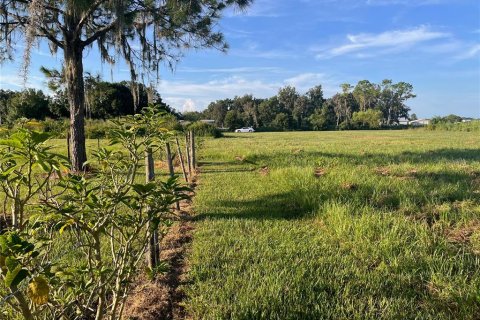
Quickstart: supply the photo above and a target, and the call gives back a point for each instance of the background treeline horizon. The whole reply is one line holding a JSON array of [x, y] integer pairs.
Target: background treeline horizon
[[103, 100], [363, 106]]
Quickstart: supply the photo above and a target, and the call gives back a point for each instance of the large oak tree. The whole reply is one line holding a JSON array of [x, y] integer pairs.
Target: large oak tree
[[144, 33]]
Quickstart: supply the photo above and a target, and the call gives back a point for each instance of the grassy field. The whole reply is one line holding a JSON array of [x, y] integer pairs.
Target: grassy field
[[337, 225]]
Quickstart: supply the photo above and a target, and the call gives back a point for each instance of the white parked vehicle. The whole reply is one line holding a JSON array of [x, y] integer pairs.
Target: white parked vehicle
[[245, 129]]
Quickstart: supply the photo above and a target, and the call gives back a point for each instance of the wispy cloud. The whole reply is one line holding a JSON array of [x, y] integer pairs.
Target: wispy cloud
[[263, 54], [16, 82], [304, 81], [254, 49], [388, 40], [472, 52], [231, 70], [190, 95]]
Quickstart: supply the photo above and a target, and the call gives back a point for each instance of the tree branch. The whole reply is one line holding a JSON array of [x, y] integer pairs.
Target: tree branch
[[51, 37], [46, 6], [87, 14], [99, 33]]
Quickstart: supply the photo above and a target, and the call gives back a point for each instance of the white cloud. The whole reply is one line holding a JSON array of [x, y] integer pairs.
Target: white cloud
[[305, 81], [446, 47], [177, 93], [189, 106], [16, 82], [388, 40], [253, 49], [189, 95], [472, 52]]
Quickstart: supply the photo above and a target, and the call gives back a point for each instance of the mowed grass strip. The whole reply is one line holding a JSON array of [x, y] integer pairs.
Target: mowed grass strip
[[337, 225]]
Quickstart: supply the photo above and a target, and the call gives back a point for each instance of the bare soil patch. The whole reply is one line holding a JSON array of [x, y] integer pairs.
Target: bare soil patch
[[162, 298], [319, 172], [462, 233], [264, 171]]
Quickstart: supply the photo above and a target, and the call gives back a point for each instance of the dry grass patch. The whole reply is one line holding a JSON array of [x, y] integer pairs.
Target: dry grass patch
[[319, 172]]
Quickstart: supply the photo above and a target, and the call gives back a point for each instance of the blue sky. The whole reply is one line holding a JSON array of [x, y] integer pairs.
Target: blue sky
[[432, 44]]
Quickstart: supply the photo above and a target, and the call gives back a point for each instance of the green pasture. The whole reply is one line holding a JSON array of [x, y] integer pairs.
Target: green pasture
[[337, 225]]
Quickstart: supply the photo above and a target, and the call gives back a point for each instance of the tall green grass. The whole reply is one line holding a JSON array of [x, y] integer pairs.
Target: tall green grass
[[387, 229]]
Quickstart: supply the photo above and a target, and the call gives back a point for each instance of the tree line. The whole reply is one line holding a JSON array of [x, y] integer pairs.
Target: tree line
[[365, 105], [103, 100]]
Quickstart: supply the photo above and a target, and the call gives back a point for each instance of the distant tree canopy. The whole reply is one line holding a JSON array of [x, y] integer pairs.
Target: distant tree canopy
[[367, 105], [29, 103], [447, 119], [103, 100]]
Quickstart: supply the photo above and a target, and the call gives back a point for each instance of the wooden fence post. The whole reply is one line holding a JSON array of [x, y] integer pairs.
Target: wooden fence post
[[180, 157], [149, 166], [153, 255], [192, 150], [187, 151], [170, 167]]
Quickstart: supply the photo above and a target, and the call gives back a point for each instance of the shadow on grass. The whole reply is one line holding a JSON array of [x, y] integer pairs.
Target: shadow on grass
[[429, 188], [282, 206], [229, 136], [207, 167], [430, 156]]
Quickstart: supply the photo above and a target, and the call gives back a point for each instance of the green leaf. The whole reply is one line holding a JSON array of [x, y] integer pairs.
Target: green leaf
[[14, 277], [3, 244], [11, 263], [43, 165], [13, 239], [143, 188], [14, 143], [39, 137], [67, 224]]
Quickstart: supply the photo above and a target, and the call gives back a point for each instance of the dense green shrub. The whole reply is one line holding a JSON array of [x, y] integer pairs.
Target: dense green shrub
[[203, 129], [29, 103], [94, 128], [97, 129], [345, 125], [451, 118], [281, 121], [53, 262], [4, 131], [57, 128], [473, 125], [369, 119]]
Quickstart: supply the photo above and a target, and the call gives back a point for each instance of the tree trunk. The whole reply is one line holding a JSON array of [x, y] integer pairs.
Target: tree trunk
[[76, 100], [389, 118]]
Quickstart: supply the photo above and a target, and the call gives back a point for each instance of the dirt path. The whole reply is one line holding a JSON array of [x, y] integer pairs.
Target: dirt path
[[163, 297]]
